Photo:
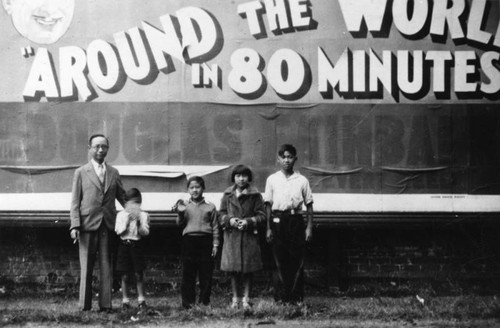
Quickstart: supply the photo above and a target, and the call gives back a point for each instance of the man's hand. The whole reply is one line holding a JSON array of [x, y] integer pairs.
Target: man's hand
[[269, 235], [214, 250], [308, 233], [75, 235]]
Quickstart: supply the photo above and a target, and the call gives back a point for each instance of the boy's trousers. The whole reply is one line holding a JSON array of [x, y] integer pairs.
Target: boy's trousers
[[197, 261], [288, 252]]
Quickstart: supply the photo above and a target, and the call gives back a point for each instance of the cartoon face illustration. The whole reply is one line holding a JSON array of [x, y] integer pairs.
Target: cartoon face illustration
[[40, 21]]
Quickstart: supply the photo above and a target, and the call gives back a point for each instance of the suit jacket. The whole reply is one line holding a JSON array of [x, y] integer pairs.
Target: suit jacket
[[91, 203]]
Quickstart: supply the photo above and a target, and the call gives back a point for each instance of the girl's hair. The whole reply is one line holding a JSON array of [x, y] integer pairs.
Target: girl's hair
[[133, 194], [198, 179], [243, 170]]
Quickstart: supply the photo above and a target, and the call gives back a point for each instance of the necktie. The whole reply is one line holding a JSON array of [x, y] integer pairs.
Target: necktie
[[100, 173]]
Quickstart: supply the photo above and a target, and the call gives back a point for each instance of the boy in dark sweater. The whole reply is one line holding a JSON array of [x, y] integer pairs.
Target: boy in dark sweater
[[200, 242]]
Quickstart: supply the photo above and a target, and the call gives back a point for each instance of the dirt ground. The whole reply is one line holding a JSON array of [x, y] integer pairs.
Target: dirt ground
[[288, 324], [415, 307]]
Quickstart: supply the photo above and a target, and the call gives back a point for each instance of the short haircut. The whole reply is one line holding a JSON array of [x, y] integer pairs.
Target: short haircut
[[287, 147], [198, 179], [96, 136], [243, 170], [133, 194]]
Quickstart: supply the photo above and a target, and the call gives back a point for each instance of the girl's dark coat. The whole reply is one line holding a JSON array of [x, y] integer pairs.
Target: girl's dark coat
[[241, 249]]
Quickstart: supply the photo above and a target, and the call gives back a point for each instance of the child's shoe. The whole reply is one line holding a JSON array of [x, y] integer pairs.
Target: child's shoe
[[246, 303], [234, 303]]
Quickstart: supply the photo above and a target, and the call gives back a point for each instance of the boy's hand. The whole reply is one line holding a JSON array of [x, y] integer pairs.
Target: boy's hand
[[269, 235], [308, 233], [179, 206], [214, 250]]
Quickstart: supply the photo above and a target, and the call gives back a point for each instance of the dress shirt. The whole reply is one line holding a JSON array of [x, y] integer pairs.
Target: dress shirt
[[287, 193], [99, 169]]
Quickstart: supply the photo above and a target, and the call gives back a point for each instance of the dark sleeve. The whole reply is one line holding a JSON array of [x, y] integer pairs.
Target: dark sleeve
[[120, 191], [259, 213], [215, 227], [223, 215], [181, 219]]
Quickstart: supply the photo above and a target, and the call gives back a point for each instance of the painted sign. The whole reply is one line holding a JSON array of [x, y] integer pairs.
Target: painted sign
[[341, 51], [384, 99], [359, 150]]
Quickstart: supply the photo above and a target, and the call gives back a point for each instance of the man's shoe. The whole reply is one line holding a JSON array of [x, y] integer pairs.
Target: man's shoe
[[107, 310]]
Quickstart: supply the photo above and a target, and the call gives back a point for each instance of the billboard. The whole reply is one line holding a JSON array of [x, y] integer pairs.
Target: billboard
[[391, 104]]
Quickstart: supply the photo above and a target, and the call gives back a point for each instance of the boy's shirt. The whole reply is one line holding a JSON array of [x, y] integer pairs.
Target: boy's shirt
[[136, 229], [199, 218], [287, 193]]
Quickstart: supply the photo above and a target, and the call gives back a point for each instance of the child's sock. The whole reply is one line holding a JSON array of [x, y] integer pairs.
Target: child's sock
[[125, 300], [234, 303], [141, 299]]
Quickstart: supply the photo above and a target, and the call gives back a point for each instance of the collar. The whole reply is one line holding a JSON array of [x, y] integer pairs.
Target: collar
[[249, 190], [96, 165], [197, 203], [294, 175], [239, 193]]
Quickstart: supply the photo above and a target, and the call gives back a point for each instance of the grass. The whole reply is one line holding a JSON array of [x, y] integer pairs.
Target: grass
[[47, 306]]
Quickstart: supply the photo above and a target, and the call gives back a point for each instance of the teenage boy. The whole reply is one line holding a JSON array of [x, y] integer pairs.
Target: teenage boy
[[285, 194]]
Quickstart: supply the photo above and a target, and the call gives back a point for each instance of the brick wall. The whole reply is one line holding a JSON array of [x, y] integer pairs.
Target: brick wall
[[336, 257], [463, 251], [41, 255]]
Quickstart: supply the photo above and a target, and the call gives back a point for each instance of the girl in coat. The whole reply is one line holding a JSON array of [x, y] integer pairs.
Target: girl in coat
[[241, 212]]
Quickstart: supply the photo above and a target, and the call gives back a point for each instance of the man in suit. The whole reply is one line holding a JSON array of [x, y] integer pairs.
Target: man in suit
[[96, 186]]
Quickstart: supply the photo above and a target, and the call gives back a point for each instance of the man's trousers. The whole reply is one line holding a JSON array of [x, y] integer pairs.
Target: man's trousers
[[288, 252], [91, 244]]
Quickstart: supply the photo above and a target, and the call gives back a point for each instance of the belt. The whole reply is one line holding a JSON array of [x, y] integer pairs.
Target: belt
[[288, 212], [129, 242]]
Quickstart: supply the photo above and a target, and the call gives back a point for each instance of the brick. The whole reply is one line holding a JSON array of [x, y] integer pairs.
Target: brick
[[380, 260], [430, 267], [363, 268], [399, 260], [359, 260], [388, 268], [427, 260]]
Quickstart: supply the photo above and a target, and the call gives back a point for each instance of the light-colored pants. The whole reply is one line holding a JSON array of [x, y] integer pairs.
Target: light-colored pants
[[91, 243]]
